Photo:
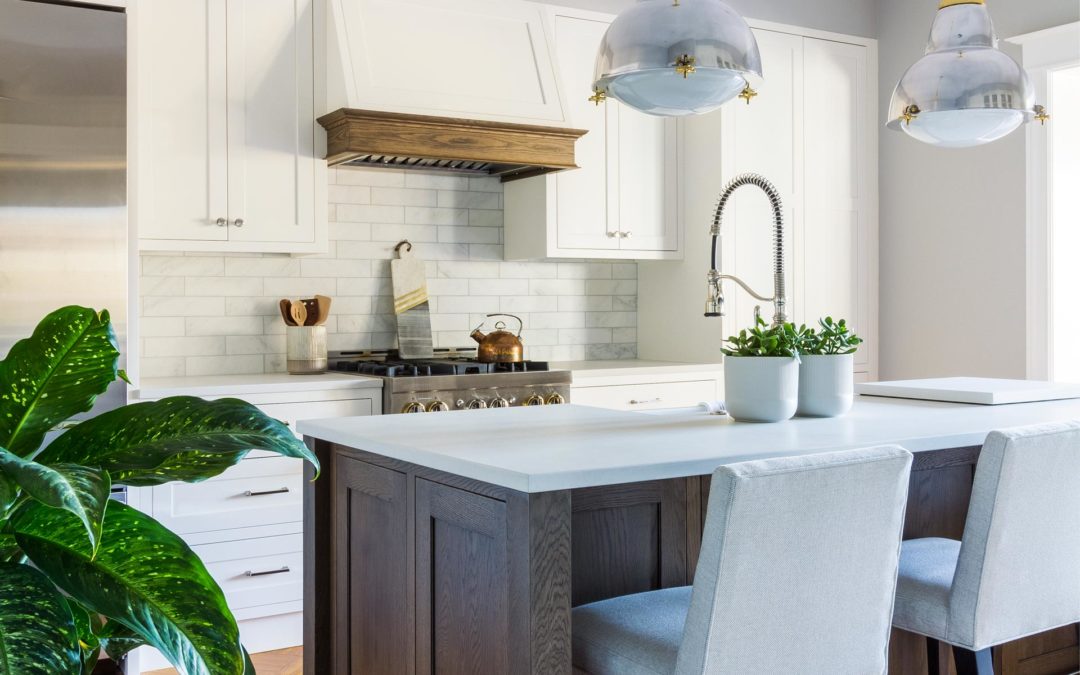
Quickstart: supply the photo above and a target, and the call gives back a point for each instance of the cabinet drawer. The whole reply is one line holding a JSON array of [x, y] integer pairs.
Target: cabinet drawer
[[654, 396], [255, 492], [256, 572]]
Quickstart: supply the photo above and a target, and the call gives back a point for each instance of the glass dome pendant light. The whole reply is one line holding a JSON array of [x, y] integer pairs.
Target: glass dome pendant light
[[965, 91], [677, 57]]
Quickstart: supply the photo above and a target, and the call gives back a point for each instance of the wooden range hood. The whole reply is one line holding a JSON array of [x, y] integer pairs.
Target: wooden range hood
[[402, 141]]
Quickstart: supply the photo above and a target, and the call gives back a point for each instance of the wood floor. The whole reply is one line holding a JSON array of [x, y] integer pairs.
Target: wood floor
[[280, 662]]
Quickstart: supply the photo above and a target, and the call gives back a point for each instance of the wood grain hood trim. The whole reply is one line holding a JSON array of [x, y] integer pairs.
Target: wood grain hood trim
[[403, 141]]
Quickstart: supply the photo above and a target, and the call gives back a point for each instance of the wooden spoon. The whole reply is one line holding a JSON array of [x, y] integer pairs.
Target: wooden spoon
[[298, 312], [312, 308], [284, 305], [323, 304]]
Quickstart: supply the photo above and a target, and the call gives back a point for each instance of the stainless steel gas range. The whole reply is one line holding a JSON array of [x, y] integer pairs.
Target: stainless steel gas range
[[454, 380]]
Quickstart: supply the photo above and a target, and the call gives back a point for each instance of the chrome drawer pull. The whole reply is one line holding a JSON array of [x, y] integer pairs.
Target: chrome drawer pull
[[636, 402], [264, 573], [279, 491]]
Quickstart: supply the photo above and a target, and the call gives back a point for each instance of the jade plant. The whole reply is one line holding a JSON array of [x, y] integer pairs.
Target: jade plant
[[835, 337], [80, 573], [764, 340]]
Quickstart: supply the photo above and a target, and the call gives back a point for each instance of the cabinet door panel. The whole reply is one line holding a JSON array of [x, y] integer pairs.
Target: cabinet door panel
[[180, 145], [581, 195], [271, 120], [762, 138], [462, 582], [835, 278], [647, 159]]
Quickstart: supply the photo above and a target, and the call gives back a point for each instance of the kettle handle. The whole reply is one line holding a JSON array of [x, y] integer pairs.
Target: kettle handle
[[521, 324]]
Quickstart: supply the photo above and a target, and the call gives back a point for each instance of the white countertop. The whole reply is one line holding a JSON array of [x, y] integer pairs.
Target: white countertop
[[218, 385], [598, 373], [538, 449]]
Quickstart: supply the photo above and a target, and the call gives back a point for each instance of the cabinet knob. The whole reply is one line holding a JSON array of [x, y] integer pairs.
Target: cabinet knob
[[627, 234], [221, 222], [612, 235], [239, 222]]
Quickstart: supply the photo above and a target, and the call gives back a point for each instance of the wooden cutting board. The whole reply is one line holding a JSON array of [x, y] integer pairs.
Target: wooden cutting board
[[409, 276]]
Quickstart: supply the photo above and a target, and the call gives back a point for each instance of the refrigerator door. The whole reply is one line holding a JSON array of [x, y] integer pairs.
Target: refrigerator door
[[63, 193]]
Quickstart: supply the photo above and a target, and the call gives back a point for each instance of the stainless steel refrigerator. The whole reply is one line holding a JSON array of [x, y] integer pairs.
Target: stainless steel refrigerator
[[63, 185]]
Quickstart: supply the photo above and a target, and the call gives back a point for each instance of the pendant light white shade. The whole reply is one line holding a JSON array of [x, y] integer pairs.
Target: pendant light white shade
[[965, 91], [677, 58]]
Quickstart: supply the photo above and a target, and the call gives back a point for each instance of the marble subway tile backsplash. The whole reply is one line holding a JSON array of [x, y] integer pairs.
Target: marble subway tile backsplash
[[211, 313]]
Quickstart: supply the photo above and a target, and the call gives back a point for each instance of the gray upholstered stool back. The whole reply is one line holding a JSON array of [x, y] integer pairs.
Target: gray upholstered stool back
[[1019, 566], [798, 565]]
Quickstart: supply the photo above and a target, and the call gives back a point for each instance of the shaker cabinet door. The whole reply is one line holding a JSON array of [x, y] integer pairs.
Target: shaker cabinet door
[[180, 163], [271, 112]]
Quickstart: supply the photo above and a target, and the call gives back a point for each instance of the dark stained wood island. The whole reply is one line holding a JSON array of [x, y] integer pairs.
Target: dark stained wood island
[[458, 542]]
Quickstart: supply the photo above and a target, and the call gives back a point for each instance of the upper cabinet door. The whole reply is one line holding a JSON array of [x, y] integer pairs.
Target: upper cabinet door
[[481, 59], [835, 275], [645, 159], [582, 206], [271, 121], [179, 148]]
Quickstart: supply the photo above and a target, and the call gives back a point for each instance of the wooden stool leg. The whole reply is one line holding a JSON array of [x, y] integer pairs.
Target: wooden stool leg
[[973, 663], [933, 664]]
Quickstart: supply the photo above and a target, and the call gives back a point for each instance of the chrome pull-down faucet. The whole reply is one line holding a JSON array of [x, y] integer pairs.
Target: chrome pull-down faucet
[[714, 305]]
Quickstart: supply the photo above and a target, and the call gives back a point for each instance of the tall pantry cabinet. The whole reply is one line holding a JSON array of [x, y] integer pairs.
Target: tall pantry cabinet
[[812, 132]]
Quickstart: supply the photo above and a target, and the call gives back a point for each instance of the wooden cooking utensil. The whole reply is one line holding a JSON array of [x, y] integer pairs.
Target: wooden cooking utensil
[[322, 302], [311, 306], [298, 312], [284, 305]]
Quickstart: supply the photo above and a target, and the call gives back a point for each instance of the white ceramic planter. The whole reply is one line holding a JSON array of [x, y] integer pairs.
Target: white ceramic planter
[[761, 388], [826, 385]]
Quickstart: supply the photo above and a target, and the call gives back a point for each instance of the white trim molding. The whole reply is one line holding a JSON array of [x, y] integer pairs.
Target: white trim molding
[[1044, 51]]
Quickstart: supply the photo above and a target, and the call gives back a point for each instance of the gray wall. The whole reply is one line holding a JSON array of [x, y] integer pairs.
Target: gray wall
[[854, 17], [953, 296]]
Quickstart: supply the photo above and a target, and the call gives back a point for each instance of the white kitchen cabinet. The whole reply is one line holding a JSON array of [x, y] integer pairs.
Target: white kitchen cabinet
[[812, 132], [623, 201], [643, 385], [246, 524], [475, 59], [224, 152]]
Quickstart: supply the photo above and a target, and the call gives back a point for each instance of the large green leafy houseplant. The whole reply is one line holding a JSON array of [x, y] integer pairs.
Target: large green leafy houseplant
[[80, 573]]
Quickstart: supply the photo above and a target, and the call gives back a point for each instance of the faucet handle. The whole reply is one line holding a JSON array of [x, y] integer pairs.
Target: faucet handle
[[714, 302]]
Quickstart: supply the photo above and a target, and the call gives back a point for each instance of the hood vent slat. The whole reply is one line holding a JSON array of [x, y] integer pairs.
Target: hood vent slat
[[402, 141]]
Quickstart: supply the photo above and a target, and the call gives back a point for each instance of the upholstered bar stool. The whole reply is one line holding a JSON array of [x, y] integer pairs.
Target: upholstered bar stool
[[1017, 570], [796, 575]]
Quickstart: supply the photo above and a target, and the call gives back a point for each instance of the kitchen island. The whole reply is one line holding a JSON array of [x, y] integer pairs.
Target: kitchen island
[[458, 542]]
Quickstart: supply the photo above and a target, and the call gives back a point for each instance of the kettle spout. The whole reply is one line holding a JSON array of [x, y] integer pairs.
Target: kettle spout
[[477, 335]]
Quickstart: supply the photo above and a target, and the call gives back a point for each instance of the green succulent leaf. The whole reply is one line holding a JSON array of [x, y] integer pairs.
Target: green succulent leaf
[[37, 631], [144, 577], [81, 490], [55, 373], [762, 340], [174, 439]]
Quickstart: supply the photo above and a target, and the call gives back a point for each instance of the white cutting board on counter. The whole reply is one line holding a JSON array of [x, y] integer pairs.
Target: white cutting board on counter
[[981, 390]]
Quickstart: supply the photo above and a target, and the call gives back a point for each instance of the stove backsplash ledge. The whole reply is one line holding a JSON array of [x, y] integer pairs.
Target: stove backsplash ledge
[[213, 313]]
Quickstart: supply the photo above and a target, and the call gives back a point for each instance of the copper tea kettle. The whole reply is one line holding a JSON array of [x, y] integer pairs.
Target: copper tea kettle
[[500, 345]]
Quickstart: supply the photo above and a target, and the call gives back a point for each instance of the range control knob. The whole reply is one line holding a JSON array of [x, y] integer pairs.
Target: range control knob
[[414, 407], [476, 404], [437, 406], [556, 399], [499, 402], [535, 399]]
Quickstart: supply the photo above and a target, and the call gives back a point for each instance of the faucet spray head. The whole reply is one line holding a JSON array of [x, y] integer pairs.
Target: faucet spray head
[[714, 302]]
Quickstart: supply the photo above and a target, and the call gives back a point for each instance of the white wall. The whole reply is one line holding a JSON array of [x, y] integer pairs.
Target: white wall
[[952, 222], [853, 17]]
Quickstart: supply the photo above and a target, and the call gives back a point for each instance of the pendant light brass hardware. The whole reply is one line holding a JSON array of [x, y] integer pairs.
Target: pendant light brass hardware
[[1042, 115], [598, 96], [910, 113], [950, 3], [684, 65], [747, 94]]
